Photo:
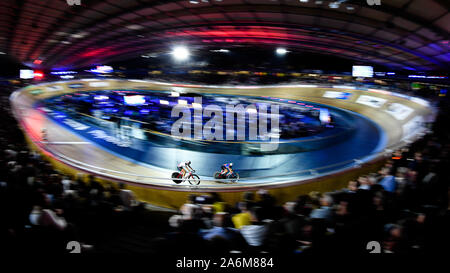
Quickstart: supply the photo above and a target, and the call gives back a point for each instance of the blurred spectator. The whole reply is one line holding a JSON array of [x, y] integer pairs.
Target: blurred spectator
[[243, 218], [255, 233], [387, 180], [221, 228], [364, 183], [326, 210], [128, 198], [42, 215]]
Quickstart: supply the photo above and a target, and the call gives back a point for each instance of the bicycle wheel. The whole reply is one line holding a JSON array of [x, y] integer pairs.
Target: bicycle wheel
[[176, 175], [217, 175], [194, 179], [235, 177]]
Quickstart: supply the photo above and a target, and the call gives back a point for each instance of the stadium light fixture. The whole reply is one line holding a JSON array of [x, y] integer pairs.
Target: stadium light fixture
[[196, 105], [220, 50], [79, 35], [281, 51], [334, 5], [38, 74], [180, 53]]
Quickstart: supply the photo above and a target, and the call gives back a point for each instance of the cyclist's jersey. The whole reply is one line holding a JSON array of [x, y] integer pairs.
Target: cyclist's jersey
[[183, 165], [226, 169]]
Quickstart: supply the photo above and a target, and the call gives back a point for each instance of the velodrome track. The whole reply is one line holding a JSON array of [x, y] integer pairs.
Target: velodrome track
[[75, 152]]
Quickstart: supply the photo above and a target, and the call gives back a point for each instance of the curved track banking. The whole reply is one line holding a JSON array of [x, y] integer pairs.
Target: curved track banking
[[395, 117]]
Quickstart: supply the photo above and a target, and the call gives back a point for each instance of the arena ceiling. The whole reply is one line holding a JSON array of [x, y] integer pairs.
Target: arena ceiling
[[402, 34]]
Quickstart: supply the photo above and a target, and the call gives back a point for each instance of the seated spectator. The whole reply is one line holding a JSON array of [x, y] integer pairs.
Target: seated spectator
[[221, 228], [42, 215], [128, 198], [352, 186], [294, 219], [315, 199], [392, 242], [255, 233], [303, 206], [326, 209], [267, 203], [400, 180], [364, 183], [243, 218], [387, 180], [217, 203], [187, 210], [66, 182]]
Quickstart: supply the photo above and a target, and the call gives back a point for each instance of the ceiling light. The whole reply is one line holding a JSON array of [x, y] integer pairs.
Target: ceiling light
[[79, 35], [134, 27], [334, 5], [304, 1], [281, 51], [220, 50], [193, 2], [2, 53], [180, 53], [319, 2], [350, 8], [65, 42]]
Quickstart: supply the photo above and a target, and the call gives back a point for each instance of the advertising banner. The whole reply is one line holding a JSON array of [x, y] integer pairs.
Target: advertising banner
[[399, 111], [371, 101], [337, 95]]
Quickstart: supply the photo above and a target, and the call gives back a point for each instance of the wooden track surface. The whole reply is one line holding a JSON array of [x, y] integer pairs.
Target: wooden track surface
[[34, 121]]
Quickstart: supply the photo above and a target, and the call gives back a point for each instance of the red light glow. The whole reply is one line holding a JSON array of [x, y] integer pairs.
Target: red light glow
[[38, 74]]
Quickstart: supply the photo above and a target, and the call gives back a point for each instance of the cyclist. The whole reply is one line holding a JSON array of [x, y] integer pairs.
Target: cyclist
[[183, 167], [227, 169]]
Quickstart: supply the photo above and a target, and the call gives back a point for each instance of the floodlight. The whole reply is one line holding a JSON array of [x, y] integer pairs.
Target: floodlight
[[180, 53], [281, 51]]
